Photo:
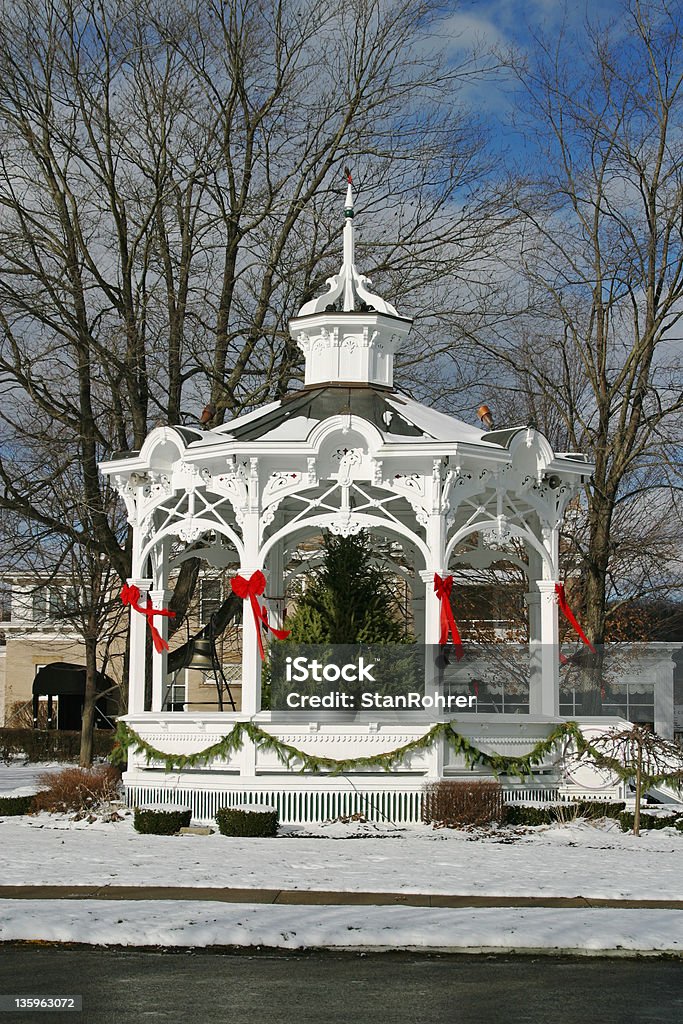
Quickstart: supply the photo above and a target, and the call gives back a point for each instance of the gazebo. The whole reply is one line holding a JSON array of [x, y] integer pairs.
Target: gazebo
[[345, 452]]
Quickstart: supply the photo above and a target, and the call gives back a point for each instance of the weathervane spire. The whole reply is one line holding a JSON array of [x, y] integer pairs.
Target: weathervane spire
[[348, 291], [348, 268]]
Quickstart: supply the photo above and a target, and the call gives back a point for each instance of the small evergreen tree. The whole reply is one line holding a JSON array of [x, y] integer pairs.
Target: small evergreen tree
[[349, 600]]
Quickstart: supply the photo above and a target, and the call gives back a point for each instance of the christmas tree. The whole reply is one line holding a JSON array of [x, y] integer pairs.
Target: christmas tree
[[349, 599]]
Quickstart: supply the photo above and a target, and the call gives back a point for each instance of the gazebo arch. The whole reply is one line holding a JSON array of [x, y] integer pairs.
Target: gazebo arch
[[359, 522], [202, 526], [512, 530]]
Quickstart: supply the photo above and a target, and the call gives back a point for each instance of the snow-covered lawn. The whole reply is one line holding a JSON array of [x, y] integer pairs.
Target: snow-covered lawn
[[580, 859], [574, 860], [21, 779]]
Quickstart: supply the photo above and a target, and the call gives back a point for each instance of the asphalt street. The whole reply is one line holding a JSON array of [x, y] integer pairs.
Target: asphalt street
[[129, 986]]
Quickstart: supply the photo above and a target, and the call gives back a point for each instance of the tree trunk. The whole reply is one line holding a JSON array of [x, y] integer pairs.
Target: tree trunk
[[595, 615], [89, 702], [639, 788]]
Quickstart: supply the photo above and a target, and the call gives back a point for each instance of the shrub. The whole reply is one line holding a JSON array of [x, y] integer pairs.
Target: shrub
[[522, 814], [13, 805], [593, 809], [252, 820], [452, 803], [626, 819], [51, 744], [77, 789], [21, 715], [161, 821]]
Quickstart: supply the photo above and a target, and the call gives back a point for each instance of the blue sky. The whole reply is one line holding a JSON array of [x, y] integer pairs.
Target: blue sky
[[505, 24]]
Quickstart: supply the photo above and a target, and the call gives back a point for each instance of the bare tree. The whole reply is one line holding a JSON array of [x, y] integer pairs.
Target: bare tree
[[165, 180], [78, 583], [594, 352]]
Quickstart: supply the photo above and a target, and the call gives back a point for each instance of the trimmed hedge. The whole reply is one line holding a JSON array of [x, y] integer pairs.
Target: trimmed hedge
[[156, 822], [626, 819], [519, 814], [594, 809], [51, 744], [13, 805], [238, 821]]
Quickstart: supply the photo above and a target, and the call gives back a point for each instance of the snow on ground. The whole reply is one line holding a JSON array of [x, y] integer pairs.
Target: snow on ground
[[574, 860], [21, 778], [594, 860], [165, 923]]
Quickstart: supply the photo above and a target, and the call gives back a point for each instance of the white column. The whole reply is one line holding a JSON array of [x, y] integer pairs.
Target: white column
[[251, 657], [432, 631], [533, 603], [138, 639], [547, 698], [251, 679], [432, 607], [160, 599]]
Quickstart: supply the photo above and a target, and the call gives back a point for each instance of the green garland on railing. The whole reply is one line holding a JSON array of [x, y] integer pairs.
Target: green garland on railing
[[288, 755]]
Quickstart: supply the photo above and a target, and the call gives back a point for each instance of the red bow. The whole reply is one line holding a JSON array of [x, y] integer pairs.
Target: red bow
[[569, 614], [442, 589], [130, 594], [252, 588]]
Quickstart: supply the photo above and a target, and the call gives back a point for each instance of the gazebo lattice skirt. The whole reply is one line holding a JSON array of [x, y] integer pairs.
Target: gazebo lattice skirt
[[300, 802]]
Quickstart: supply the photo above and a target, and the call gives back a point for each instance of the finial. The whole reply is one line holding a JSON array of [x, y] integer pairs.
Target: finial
[[348, 205], [348, 291]]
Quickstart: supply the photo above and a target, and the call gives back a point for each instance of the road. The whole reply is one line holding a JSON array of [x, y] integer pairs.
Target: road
[[202, 988]]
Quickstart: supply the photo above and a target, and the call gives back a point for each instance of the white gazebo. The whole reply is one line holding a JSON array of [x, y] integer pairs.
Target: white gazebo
[[344, 453]]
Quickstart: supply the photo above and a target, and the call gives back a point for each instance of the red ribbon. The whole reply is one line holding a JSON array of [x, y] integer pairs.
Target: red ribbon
[[442, 589], [252, 588], [130, 594], [569, 614]]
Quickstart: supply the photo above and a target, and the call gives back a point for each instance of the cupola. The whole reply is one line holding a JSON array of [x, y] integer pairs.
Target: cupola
[[349, 335]]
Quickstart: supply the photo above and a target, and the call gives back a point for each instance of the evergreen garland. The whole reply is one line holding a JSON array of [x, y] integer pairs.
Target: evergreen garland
[[499, 764]]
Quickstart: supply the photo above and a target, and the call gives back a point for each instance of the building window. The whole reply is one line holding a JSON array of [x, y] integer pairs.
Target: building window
[[62, 602], [210, 598], [633, 701], [39, 604], [176, 696], [232, 673]]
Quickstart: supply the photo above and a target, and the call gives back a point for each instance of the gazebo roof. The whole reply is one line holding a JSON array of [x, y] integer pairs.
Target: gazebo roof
[[396, 416], [349, 336]]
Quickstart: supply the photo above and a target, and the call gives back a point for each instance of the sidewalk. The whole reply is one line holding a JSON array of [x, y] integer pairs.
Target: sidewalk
[[316, 898]]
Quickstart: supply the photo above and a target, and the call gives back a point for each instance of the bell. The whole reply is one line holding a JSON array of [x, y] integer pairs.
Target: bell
[[202, 655]]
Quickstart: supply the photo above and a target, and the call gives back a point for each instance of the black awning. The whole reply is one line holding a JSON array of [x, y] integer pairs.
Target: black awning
[[61, 677]]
